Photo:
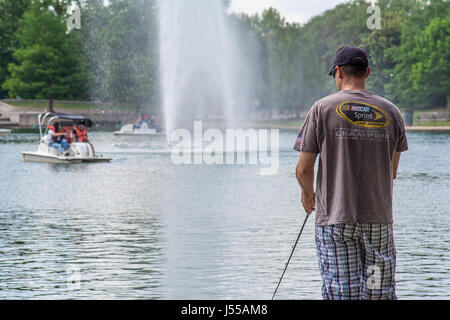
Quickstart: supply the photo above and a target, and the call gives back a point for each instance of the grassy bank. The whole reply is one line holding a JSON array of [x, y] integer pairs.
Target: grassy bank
[[33, 106], [290, 123], [41, 105], [421, 123], [432, 123]]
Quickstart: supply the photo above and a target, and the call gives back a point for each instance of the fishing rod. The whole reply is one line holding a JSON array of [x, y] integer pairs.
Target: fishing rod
[[293, 249]]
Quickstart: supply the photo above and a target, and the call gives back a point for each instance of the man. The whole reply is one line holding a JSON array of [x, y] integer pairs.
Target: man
[[139, 122], [359, 137], [57, 139], [80, 134]]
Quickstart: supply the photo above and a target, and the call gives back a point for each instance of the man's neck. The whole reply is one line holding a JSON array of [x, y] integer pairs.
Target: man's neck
[[357, 85]]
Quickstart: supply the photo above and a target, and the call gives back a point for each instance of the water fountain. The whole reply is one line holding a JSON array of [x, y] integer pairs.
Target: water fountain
[[200, 61], [207, 81]]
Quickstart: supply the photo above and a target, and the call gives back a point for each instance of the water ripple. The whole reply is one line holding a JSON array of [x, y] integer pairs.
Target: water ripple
[[143, 228]]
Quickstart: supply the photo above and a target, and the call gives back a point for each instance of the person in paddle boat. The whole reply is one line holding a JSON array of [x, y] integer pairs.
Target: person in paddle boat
[[153, 123], [139, 122], [69, 134], [57, 139], [80, 134]]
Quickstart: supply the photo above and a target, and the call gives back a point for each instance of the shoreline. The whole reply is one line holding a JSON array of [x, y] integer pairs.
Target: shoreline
[[408, 128], [15, 113]]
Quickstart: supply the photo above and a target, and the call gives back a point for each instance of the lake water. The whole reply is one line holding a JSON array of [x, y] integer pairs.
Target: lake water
[[141, 227]]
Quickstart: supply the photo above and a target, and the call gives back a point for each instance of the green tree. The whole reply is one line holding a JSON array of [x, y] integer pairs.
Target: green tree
[[323, 35], [120, 49], [294, 60], [430, 74], [280, 63], [10, 13], [414, 17], [271, 31], [379, 44], [48, 63]]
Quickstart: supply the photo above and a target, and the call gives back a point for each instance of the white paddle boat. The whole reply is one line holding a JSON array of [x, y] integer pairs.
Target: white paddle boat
[[143, 130], [5, 132], [77, 152]]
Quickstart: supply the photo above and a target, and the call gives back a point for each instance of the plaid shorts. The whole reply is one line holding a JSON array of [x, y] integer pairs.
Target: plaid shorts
[[356, 261]]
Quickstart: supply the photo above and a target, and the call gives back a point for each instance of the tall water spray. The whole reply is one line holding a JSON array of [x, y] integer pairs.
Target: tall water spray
[[199, 62]]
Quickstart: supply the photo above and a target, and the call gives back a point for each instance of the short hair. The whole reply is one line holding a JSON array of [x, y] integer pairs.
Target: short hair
[[357, 68]]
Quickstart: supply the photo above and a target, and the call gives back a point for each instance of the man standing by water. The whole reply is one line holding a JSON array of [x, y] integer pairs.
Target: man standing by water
[[359, 137]]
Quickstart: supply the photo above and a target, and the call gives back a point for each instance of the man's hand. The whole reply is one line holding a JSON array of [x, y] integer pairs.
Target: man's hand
[[309, 202]]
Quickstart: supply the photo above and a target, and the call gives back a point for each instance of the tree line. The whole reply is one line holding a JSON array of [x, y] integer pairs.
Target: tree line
[[114, 56]]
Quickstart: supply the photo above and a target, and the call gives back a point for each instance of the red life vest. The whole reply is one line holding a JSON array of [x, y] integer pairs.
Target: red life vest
[[80, 136]]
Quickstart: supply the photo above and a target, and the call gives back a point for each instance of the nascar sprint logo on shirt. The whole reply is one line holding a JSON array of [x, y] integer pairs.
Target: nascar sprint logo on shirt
[[363, 114]]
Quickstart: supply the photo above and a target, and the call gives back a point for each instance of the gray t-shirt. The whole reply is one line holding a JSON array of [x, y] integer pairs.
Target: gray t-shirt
[[356, 134]]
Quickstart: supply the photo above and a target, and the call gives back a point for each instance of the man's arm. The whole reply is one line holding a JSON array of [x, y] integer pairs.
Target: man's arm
[[59, 134], [395, 163], [51, 133], [305, 177]]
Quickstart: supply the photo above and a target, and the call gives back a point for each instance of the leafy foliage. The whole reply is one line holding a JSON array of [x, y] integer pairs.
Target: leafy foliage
[[10, 13], [48, 62], [114, 57], [120, 47]]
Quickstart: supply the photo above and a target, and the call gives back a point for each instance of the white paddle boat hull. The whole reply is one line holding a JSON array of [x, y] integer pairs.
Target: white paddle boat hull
[[5, 132], [39, 157], [78, 152], [144, 130]]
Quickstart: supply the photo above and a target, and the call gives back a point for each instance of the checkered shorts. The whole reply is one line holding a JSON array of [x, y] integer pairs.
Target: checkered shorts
[[356, 261]]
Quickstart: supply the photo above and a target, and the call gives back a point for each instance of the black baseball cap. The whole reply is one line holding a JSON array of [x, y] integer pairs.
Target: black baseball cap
[[347, 55]]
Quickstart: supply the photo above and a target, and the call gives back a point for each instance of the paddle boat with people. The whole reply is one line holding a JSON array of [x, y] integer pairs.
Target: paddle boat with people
[[143, 130], [68, 145], [145, 125]]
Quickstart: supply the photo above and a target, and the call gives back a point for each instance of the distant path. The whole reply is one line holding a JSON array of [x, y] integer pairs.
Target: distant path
[[7, 108], [428, 128], [297, 128]]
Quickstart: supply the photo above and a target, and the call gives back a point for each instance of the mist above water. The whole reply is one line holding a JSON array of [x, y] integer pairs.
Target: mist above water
[[201, 64]]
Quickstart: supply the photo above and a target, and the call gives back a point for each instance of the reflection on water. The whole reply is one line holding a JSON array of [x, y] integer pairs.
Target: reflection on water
[[141, 227]]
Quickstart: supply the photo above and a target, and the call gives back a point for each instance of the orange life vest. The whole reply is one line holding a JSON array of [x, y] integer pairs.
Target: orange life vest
[[80, 136]]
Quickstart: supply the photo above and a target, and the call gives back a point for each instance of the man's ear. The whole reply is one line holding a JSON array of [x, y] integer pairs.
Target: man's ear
[[340, 72], [368, 72]]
